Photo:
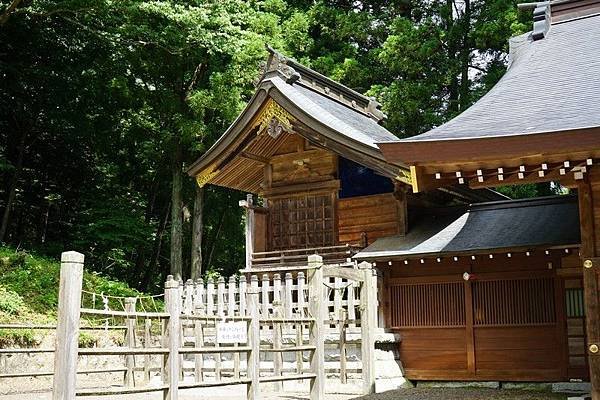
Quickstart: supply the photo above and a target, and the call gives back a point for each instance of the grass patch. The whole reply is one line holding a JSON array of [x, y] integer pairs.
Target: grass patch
[[19, 337], [29, 288], [87, 340]]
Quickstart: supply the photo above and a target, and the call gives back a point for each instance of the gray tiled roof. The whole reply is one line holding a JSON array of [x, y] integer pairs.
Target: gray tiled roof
[[552, 84], [341, 118], [550, 221]]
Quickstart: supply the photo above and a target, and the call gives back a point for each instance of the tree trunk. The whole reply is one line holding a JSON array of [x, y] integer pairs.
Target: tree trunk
[[198, 225], [156, 250], [12, 188], [176, 214], [215, 239], [465, 57], [453, 89], [140, 260]]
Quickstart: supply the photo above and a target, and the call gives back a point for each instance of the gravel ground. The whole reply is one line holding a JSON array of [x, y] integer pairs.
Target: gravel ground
[[463, 394]]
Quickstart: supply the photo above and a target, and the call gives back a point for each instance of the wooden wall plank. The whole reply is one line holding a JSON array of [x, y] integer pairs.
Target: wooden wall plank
[[375, 215]]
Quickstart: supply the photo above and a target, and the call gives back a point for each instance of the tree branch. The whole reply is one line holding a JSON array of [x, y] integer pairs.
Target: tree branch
[[478, 68], [9, 10], [200, 68]]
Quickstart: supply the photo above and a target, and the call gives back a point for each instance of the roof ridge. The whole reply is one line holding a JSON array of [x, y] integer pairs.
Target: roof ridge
[[294, 72]]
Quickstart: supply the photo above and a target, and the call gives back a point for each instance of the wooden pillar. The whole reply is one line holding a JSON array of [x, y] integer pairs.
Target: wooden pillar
[[67, 332], [172, 337], [368, 324], [199, 343], [147, 344], [249, 205], [253, 371], [589, 215], [400, 191], [470, 331]]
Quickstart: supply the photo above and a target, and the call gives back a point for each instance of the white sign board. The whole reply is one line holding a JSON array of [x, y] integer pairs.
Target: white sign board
[[232, 332]]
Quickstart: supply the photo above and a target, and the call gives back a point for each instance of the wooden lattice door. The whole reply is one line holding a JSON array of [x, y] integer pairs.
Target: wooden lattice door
[[302, 221]]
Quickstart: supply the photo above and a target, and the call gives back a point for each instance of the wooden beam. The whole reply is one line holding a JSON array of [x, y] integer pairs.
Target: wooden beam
[[254, 157], [511, 178], [422, 182], [588, 208]]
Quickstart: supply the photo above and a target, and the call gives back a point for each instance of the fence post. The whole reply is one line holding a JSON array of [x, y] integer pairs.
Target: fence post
[[276, 329], [173, 307], [199, 343], [147, 344], [253, 371], [343, 316], [368, 324], [130, 342], [67, 332], [249, 229], [317, 331]]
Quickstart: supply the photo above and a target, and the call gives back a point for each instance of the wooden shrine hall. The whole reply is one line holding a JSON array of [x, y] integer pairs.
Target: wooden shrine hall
[[480, 287], [306, 145]]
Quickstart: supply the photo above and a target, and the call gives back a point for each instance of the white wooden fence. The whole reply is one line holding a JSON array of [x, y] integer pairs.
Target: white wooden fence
[[303, 307], [280, 296]]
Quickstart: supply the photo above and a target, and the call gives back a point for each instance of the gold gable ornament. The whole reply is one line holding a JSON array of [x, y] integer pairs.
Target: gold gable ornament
[[273, 120], [405, 177], [205, 176]]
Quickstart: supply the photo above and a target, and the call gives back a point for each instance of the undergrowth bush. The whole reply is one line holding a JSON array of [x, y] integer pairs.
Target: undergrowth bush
[[19, 337], [30, 286], [10, 301], [87, 340]]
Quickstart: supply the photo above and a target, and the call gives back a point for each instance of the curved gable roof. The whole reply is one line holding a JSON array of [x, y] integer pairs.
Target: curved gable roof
[[336, 117]]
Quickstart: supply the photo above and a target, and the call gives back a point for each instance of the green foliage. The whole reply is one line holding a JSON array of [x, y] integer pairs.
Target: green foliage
[[87, 340], [18, 337], [30, 285], [109, 98], [529, 190], [10, 302]]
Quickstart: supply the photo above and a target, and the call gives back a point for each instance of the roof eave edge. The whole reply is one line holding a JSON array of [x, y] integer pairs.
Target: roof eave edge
[[232, 132]]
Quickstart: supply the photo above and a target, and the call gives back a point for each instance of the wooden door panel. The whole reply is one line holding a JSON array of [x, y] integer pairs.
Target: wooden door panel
[[514, 333], [433, 351], [529, 351], [431, 320]]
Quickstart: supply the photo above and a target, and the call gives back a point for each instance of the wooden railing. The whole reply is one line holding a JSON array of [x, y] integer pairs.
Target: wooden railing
[[295, 259]]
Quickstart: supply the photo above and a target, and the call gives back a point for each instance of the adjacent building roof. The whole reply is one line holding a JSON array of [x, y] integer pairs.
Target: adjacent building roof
[[486, 227], [551, 86]]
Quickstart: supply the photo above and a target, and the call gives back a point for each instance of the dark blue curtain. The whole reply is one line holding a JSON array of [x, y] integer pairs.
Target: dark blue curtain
[[358, 180]]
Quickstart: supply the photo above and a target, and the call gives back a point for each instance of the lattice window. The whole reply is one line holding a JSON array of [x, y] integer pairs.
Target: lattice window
[[514, 302], [574, 302], [428, 305], [303, 221]]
